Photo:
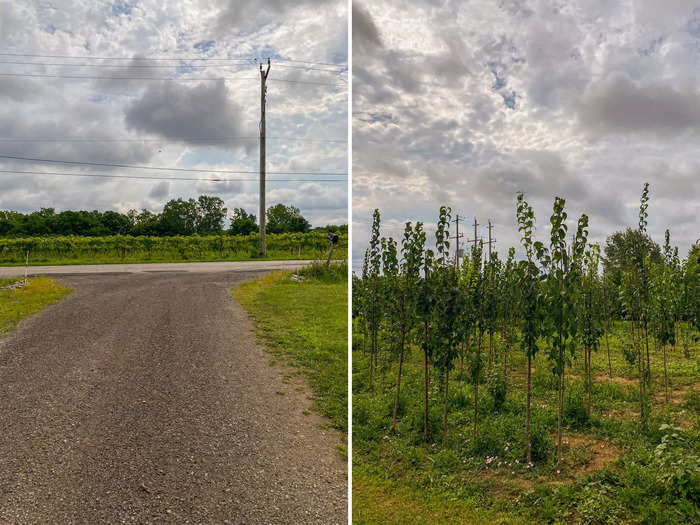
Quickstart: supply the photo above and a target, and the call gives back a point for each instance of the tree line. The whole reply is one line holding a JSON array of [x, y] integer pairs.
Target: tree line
[[555, 301], [205, 215]]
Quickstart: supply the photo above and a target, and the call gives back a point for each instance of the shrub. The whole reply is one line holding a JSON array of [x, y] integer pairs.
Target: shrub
[[497, 386]]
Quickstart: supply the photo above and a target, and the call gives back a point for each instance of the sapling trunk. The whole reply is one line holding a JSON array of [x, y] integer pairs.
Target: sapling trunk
[[425, 352], [476, 386], [447, 387], [560, 409], [607, 345], [665, 377], [398, 381], [528, 446]]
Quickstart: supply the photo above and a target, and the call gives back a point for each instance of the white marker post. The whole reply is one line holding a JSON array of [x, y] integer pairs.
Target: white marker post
[[26, 268]]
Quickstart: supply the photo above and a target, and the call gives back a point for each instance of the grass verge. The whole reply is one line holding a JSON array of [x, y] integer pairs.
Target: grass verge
[[306, 324], [19, 303]]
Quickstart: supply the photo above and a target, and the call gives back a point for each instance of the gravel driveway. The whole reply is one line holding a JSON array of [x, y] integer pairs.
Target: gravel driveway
[[143, 398]]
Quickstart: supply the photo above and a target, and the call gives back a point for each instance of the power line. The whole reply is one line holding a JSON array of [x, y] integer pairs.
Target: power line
[[147, 177], [159, 66], [208, 59], [172, 139], [82, 77], [162, 168]]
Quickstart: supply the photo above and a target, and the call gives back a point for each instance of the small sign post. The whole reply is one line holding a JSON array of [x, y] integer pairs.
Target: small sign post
[[26, 267], [333, 238]]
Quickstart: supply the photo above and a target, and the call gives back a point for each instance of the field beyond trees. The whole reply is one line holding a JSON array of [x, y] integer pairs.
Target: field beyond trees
[[540, 390]]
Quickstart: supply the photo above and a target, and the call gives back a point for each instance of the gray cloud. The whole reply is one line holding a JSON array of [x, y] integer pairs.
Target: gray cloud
[[619, 104], [175, 111], [365, 35]]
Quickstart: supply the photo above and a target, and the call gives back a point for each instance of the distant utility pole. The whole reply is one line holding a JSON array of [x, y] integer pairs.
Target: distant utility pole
[[476, 233], [457, 237], [263, 92], [490, 241]]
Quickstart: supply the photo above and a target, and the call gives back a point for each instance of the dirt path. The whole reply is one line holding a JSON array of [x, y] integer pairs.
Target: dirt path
[[143, 398]]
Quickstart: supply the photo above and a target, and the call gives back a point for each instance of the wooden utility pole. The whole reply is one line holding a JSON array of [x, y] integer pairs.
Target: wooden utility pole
[[263, 92], [490, 240], [457, 237]]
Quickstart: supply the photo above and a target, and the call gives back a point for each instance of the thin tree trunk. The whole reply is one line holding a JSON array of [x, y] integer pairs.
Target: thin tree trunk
[[425, 415], [665, 377], [528, 447], [640, 366], [398, 381], [371, 358], [560, 410], [447, 386], [646, 342], [476, 386], [607, 345], [590, 383]]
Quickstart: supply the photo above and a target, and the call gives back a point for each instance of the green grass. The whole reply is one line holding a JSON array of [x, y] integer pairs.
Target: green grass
[[611, 473], [379, 502], [305, 323], [19, 303]]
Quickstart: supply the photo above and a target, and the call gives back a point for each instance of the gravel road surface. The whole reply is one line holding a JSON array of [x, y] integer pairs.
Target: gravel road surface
[[143, 398], [202, 267]]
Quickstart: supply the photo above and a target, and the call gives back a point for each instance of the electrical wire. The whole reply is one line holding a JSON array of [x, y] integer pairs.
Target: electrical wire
[[159, 66], [209, 59], [169, 140], [161, 168], [147, 177], [80, 77]]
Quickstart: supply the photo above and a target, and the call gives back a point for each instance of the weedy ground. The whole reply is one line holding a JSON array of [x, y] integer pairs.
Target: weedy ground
[[612, 472], [18, 303], [304, 323]]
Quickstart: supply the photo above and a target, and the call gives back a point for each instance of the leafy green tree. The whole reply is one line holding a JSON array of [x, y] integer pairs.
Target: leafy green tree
[[242, 223], [117, 223], [621, 249], [562, 283], [446, 307], [411, 255], [530, 305], [373, 296], [210, 215], [590, 314], [285, 219], [145, 222], [179, 217]]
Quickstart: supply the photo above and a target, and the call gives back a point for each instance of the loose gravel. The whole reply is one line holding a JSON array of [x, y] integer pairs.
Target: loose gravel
[[143, 398]]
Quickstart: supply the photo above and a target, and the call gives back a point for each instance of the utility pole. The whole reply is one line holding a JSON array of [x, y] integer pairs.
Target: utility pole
[[263, 92], [476, 233], [457, 237], [490, 241]]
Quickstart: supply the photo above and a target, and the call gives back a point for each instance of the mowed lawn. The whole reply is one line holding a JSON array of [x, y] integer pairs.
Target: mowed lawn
[[305, 324], [18, 303]]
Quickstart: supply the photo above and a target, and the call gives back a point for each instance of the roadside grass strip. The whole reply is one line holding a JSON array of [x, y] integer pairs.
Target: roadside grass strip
[[304, 322], [19, 303]]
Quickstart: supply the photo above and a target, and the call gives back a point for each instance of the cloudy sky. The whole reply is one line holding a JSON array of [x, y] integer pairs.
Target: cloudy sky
[[187, 122], [467, 103]]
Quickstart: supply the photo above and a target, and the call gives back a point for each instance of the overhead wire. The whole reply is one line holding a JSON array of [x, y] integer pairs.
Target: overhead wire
[[161, 168], [165, 79], [155, 177]]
